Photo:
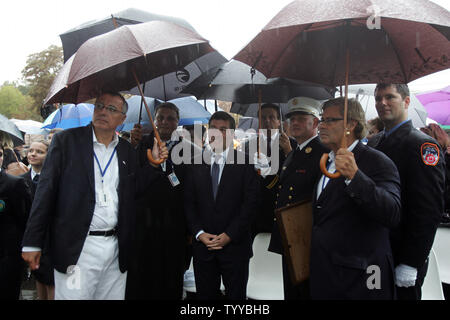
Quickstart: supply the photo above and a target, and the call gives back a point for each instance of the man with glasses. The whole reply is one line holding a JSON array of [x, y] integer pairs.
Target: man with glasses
[[15, 202], [351, 255], [161, 251], [421, 164], [298, 174], [86, 195]]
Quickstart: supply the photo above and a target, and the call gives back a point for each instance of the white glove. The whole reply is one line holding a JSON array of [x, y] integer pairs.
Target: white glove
[[405, 276], [262, 164]]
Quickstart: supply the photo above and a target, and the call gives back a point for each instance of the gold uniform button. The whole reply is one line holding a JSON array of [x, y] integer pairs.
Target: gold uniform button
[[274, 219], [290, 197], [284, 168], [279, 187], [291, 188], [278, 195]]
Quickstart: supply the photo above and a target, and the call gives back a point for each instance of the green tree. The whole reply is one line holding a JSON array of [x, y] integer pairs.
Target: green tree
[[13, 104], [40, 71]]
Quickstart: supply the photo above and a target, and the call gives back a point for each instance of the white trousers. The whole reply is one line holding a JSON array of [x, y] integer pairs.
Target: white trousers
[[96, 275]]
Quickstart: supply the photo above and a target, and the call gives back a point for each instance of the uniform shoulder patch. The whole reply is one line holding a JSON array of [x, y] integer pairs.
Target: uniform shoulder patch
[[430, 153]]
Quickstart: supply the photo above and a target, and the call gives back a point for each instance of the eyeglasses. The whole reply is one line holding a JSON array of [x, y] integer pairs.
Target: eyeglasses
[[110, 109], [329, 120]]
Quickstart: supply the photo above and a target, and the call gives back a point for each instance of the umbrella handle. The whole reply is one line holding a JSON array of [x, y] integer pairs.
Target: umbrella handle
[[150, 157], [323, 168], [158, 139]]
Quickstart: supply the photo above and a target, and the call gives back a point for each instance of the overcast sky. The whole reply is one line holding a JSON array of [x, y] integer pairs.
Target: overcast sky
[[31, 26]]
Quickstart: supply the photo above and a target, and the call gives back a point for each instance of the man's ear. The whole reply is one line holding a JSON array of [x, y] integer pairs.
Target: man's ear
[[407, 102], [315, 122]]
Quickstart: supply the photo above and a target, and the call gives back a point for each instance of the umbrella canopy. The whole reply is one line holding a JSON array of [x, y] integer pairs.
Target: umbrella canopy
[[365, 95], [170, 86], [29, 126], [224, 81], [387, 41], [191, 111], [237, 82], [70, 116], [8, 127], [108, 61], [437, 103], [74, 38]]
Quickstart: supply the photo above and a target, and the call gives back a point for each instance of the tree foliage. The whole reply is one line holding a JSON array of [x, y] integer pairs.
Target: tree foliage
[[14, 104], [40, 71]]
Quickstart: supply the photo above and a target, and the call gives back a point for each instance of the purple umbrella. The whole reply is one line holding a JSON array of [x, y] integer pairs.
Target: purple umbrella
[[437, 104]]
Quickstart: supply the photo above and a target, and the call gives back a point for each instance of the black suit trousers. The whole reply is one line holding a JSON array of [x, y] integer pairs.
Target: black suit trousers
[[234, 274], [11, 271]]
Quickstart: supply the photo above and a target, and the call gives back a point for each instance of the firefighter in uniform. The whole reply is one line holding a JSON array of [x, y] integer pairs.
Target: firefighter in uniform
[[421, 165], [268, 164], [299, 173]]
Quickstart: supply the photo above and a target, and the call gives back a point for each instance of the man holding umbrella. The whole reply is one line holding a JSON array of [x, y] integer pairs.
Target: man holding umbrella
[[86, 194], [163, 258], [351, 254], [420, 162]]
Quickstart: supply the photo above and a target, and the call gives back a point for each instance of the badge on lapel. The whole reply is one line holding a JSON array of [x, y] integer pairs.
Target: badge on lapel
[[2, 205], [308, 150]]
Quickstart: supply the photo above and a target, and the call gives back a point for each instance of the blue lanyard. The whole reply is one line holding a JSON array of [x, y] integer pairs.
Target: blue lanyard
[[102, 172]]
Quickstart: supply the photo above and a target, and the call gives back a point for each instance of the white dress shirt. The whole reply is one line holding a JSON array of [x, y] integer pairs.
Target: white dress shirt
[[105, 212], [332, 168], [304, 144], [221, 159]]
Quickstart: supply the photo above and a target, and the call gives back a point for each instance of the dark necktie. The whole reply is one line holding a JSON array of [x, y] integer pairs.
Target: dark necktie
[[269, 146], [215, 178], [36, 179]]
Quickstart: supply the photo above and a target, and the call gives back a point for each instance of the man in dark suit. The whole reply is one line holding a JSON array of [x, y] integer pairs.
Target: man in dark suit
[[86, 193], [220, 203], [351, 255], [420, 162], [159, 262], [298, 174], [15, 202], [271, 157]]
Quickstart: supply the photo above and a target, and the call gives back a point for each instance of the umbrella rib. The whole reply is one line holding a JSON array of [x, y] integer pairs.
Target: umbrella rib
[[396, 54]]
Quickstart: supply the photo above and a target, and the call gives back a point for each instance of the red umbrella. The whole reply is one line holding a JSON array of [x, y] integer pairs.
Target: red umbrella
[[121, 59], [336, 42]]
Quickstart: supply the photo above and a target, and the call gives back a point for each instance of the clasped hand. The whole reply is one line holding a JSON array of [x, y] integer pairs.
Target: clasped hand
[[214, 242]]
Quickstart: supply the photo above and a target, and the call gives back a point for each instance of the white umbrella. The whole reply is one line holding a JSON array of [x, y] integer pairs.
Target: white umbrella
[[29, 126]]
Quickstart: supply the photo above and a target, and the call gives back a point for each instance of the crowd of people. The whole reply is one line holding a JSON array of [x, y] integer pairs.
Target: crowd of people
[[93, 218]]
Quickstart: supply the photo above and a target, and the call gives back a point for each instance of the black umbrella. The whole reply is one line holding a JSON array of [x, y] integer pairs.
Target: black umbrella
[[170, 86], [231, 81], [8, 127], [237, 82], [74, 38]]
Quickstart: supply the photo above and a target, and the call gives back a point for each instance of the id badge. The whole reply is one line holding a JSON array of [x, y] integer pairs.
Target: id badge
[[102, 200], [173, 179]]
